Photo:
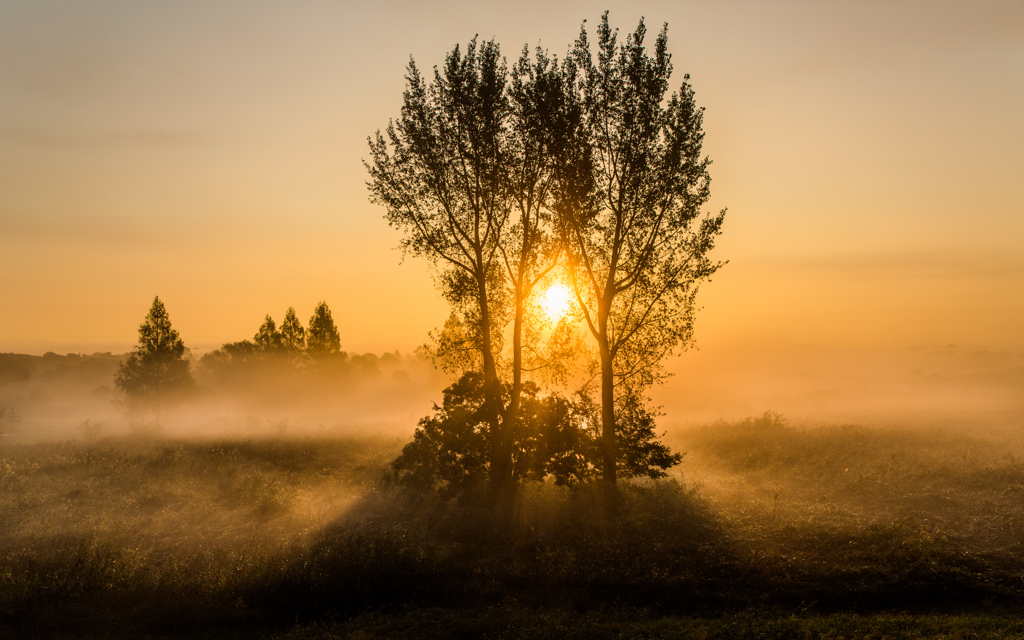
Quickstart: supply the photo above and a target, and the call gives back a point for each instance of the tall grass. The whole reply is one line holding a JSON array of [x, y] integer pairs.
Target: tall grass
[[183, 536]]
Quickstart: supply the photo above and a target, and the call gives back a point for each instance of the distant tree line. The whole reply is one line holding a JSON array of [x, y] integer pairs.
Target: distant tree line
[[37, 377], [292, 349], [16, 368], [277, 363], [291, 342]]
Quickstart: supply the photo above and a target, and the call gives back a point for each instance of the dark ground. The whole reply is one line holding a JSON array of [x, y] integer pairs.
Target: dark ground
[[770, 532]]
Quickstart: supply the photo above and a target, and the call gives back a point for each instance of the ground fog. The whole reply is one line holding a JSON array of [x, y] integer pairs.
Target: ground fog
[[267, 509]]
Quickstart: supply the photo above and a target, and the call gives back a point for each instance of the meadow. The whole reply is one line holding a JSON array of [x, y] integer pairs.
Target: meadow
[[766, 530]]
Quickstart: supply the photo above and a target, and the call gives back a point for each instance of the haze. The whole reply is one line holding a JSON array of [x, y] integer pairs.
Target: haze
[[210, 153], [839, 456]]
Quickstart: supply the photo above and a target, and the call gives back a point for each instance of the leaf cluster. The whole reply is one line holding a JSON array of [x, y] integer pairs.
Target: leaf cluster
[[629, 205]]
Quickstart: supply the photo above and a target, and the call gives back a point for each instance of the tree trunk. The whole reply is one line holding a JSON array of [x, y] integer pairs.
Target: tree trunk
[[501, 453], [607, 397], [608, 417], [512, 412]]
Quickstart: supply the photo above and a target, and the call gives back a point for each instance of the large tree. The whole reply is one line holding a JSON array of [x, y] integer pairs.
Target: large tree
[[628, 188], [441, 172], [464, 172], [156, 373], [494, 180], [528, 249]]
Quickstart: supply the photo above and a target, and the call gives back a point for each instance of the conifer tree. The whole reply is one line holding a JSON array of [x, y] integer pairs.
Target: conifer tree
[[322, 339], [268, 339], [156, 373], [293, 335]]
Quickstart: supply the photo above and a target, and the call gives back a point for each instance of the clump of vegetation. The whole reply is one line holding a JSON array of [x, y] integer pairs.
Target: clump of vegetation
[[293, 363], [157, 372], [554, 437]]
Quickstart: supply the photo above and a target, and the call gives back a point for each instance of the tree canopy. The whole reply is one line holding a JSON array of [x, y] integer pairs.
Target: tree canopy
[[157, 372], [322, 338], [268, 339], [293, 335], [442, 173], [585, 171], [630, 181]]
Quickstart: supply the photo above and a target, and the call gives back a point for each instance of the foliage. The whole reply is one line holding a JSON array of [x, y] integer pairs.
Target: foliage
[[9, 416], [639, 451], [439, 172], [231, 353], [454, 348], [629, 184], [293, 335], [498, 177], [450, 449], [90, 429], [268, 339], [156, 373], [276, 366], [75, 368], [322, 339], [442, 173], [554, 437]]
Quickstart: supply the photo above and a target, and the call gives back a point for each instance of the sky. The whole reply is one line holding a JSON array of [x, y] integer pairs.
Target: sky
[[870, 155]]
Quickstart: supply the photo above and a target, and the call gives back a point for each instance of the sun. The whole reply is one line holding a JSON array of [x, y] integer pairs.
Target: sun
[[556, 302]]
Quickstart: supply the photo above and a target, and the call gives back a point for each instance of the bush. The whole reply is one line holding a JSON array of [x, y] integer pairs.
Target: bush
[[555, 437]]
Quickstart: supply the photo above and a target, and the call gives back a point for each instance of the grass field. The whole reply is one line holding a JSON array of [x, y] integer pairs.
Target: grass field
[[769, 531]]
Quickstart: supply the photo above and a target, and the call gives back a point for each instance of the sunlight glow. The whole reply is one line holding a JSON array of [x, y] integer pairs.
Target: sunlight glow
[[556, 301]]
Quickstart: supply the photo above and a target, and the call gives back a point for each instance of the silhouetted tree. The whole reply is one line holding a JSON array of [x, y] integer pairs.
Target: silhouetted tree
[[268, 339], [464, 173], [628, 187], [293, 336], [442, 175], [156, 373], [9, 415], [322, 339], [493, 180]]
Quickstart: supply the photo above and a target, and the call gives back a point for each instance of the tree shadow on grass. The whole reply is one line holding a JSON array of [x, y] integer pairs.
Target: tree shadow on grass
[[558, 546], [664, 548]]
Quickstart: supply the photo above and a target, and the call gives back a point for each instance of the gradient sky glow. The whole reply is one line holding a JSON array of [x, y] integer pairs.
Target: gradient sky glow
[[871, 155]]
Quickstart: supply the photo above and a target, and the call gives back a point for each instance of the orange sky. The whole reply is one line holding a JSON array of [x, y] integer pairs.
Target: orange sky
[[870, 155]]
